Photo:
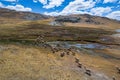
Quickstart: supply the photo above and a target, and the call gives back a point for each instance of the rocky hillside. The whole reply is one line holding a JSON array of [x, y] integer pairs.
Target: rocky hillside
[[84, 18], [7, 13], [80, 18]]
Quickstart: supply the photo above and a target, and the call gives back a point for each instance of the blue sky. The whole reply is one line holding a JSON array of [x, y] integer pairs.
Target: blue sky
[[104, 8]]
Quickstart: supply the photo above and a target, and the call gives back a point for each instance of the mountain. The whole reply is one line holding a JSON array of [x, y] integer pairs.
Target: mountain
[[80, 20], [7, 13], [84, 18]]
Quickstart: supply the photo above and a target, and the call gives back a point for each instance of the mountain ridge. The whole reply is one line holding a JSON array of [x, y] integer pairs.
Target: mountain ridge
[[7, 13], [38, 16]]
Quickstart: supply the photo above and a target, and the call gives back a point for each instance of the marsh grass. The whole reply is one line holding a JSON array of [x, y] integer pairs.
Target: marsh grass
[[30, 30]]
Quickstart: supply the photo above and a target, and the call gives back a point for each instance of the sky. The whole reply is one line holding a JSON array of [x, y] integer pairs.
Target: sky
[[104, 8]]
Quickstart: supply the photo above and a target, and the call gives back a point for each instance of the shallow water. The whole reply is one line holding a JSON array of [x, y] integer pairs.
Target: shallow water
[[116, 35], [90, 46], [118, 30], [77, 45]]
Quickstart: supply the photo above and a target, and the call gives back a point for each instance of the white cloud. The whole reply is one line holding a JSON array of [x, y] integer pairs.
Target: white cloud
[[1, 5], [60, 13], [114, 15], [50, 3], [99, 11], [16, 7], [109, 1], [78, 5], [98, 1], [119, 2], [52, 13], [75, 7], [11, 0], [43, 1], [53, 3], [35, 1]]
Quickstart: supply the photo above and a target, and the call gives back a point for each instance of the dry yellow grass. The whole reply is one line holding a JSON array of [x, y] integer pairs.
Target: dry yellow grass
[[20, 62], [28, 63], [108, 26]]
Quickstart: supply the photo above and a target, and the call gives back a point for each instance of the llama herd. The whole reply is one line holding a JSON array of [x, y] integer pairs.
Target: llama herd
[[69, 51]]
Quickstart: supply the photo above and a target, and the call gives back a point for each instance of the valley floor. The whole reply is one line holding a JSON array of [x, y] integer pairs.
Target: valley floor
[[91, 54]]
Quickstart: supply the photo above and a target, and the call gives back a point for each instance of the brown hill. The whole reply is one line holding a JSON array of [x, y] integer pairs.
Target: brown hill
[[7, 13], [85, 20], [80, 20]]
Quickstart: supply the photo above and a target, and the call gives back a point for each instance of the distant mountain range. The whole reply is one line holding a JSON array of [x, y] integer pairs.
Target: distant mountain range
[[69, 20]]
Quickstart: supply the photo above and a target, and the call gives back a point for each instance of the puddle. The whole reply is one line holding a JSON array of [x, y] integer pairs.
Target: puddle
[[118, 30], [116, 35], [76, 45], [89, 46]]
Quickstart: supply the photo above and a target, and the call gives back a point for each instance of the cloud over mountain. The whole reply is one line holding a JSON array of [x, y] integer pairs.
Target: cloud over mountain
[[104, 8], [88, 7], [114, 15]]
